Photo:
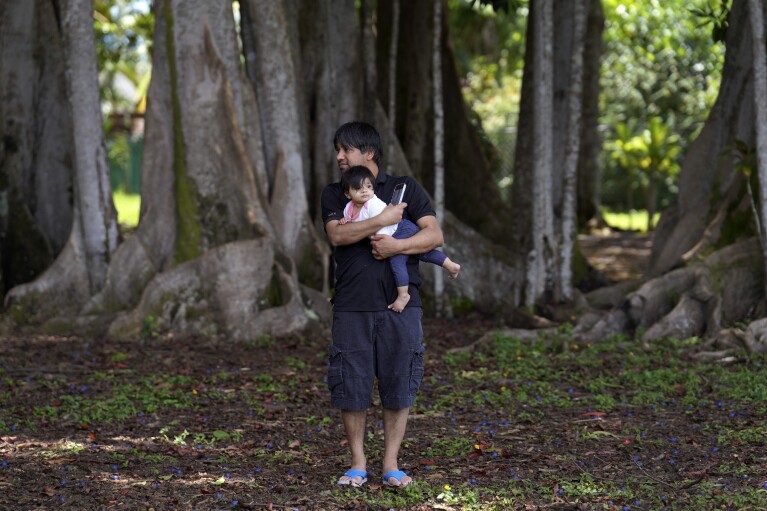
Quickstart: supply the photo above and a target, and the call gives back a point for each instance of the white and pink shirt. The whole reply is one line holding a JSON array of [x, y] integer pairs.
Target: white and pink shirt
[[371, 208]]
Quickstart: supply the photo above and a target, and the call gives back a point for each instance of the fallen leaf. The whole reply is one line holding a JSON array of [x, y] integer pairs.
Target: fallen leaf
[[57, 461]]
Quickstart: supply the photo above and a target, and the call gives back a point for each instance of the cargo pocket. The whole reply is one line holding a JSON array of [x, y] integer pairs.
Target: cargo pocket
[[336, 373], [416, 370]]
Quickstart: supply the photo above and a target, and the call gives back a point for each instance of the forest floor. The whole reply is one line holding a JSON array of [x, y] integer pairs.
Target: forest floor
[[170, 423], [618, 255]]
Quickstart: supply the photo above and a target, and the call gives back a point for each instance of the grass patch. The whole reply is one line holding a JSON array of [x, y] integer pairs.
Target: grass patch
[[633, 220], [506, 425], [128, 207]]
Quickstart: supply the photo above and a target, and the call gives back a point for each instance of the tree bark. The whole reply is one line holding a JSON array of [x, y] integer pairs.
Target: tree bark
[[589, 160], [392, 84], [80, 270], [36, 155], [540, 273], [522, 186], [229, 272], [575, 100], [332, 85], [93, 193], [707, 171], [760, 102], [281, 103], [370, 95], [470, 190], [439, 144]]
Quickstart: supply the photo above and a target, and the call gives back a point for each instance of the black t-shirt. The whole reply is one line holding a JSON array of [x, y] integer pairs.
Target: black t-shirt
[[362, 282]]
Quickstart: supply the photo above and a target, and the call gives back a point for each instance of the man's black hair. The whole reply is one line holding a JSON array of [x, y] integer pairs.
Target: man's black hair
[[354, 176], [359, 135]]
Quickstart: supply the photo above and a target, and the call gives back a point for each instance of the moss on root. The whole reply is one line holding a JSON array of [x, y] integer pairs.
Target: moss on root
[[189, 234]]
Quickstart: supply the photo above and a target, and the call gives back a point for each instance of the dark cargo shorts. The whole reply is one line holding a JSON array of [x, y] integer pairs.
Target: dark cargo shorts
[[369, 345]]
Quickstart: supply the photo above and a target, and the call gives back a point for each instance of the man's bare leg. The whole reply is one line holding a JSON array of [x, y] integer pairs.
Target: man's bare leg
[[354, 424], [395, 424]]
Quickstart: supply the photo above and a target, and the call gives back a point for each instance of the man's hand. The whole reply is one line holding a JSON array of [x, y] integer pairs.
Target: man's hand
[[384, 246], [392, 214], [428, 238]]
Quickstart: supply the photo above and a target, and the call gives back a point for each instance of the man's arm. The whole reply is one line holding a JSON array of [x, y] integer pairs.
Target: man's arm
[[352, 232], [428, 238]]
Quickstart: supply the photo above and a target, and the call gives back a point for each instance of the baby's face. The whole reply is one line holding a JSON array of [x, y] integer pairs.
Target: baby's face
[[363, 194]]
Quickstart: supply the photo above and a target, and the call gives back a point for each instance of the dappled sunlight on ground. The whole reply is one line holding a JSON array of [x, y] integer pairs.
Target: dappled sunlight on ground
[[618, 255]]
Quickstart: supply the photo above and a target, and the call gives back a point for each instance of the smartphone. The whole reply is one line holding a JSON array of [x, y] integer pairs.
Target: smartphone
[[399, 193]]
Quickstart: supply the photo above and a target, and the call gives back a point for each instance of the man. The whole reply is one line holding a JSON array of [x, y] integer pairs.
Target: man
[[370, 341]]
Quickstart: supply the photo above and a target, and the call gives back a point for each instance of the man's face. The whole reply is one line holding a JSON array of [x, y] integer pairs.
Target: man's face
[[351, 157], [363, 194]]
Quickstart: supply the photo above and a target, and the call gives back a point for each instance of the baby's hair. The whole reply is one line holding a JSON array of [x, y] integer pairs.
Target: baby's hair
[[355, 176]]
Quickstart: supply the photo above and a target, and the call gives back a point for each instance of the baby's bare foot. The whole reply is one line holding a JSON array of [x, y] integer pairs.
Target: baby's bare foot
[[452, 268], [399, 304]]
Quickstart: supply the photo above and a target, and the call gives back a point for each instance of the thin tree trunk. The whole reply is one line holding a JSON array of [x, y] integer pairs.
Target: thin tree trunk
[[522, 186], [93, 196], [575, 100], [439, 143], [369, 61], [541, 272], [392, 103], [760, 102], [589, 167], [652, 200]]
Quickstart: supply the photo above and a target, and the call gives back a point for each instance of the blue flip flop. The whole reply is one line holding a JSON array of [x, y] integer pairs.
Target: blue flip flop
[[396, 474], [351, 474]]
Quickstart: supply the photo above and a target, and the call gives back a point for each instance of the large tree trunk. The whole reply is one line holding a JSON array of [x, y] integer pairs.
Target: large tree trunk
[[528, 240], [470, 190], [714, 215], [80, 270], [205, 257], [278, 89], [332, 85], [708, 171], [36, 156]]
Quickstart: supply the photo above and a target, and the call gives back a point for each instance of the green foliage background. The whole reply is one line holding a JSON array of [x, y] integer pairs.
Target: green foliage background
[[660, 75]]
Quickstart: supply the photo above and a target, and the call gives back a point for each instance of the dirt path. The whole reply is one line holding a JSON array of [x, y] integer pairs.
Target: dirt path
[[618, 255]]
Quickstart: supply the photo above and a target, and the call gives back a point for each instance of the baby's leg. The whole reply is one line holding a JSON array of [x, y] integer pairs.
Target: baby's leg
[[452, 267], [403, 297], [440, 259]]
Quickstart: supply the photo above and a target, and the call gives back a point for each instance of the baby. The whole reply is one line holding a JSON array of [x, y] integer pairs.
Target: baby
[[357, 184]]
